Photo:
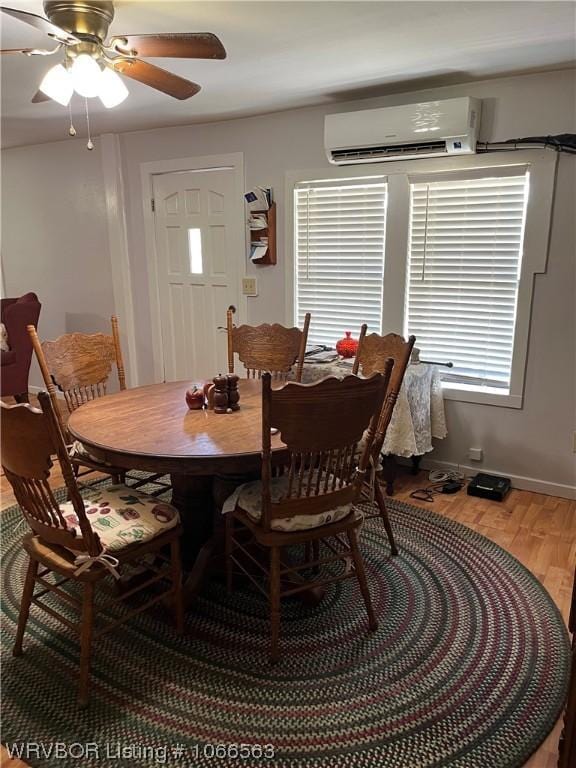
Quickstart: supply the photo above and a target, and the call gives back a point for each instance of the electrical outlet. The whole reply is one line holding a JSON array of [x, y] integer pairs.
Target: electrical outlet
[[475, 454], [249, 286]]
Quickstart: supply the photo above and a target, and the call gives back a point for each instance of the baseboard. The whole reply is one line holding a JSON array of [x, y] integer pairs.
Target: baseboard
[[518, 481]]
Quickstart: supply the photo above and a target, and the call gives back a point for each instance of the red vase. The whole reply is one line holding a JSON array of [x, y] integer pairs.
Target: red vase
[[348, 346]]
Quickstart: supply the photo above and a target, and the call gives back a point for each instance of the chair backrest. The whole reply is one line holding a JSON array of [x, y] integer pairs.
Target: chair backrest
[[79, 365], [321, 425], [271, 348], [27, 300], [373, 352], [17, 315], [29, 439]]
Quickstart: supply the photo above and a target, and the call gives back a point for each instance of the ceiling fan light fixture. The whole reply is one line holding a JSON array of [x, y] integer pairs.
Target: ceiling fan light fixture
[[86, 75], [112, 88], [57, 84]]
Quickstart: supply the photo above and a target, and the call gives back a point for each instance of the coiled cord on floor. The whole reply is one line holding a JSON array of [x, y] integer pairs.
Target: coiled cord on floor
[[441, 476], [438, 479]]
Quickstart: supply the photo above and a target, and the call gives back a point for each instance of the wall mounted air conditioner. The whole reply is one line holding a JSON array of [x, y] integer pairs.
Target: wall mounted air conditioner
[[428, 129]]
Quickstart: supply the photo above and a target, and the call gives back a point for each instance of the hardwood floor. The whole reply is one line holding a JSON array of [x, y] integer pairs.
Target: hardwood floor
[[539, 530]]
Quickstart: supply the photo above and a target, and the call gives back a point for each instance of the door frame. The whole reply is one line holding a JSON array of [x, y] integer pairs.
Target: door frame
[[148, 171], [116, 215]]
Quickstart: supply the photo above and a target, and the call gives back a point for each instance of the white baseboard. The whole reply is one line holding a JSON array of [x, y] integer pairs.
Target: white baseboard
[[518, 481]]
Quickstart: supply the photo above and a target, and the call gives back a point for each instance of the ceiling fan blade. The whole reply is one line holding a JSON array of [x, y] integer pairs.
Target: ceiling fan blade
[[156, 77], [40, 97], [30, 51], [185, 45], [41, 24]]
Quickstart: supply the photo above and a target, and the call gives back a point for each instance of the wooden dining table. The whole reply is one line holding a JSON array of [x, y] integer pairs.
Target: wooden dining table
[[206, 454]]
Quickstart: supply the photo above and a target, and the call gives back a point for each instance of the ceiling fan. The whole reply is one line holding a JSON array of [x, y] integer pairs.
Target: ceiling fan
[[80, 28]]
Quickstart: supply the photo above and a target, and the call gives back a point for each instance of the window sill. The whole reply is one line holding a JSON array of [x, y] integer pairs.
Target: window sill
[[482, 395]]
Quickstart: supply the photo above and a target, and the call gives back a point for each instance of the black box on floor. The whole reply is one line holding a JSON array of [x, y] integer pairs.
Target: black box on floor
[[489, 487]]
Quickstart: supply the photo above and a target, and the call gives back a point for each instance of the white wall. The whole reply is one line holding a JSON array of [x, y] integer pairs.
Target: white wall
[[535, 442], [54, 237], [293, 140]]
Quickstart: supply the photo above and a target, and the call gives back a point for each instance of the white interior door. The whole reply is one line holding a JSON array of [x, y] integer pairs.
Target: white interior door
[[200, 245]]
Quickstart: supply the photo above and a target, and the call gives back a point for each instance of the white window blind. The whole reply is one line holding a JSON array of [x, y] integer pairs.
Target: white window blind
[[466, 239], [339, 270]]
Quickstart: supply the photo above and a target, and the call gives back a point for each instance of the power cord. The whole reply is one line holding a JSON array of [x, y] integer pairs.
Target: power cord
[[439, 476], [440, 482]]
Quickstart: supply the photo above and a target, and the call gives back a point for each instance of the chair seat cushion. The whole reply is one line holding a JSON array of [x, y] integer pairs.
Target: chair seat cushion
[[122, 516], [79, 451], [362, 445], [248, 498]]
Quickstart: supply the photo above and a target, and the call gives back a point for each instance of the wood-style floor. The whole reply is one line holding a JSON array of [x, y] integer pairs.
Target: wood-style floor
[[539, 530]]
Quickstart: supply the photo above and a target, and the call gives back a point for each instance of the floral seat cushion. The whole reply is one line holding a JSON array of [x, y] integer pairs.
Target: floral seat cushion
[[122, 516], [79, 451], [248, 498]]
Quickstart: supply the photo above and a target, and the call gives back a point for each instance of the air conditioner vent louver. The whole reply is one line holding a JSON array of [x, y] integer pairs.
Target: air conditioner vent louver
[[393, 150], [405, 132]]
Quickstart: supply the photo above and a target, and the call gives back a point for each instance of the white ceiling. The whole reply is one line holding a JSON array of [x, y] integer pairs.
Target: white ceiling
[[292, 54]]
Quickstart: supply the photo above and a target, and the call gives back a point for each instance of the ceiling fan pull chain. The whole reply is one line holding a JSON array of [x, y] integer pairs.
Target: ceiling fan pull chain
[[90, 144], [71, 130]]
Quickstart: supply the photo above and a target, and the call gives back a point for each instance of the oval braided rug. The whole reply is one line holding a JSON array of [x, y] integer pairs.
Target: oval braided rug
[[468, 667]]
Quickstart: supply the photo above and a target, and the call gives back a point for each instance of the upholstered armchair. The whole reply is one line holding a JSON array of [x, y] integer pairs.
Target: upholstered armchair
[[16, 314]]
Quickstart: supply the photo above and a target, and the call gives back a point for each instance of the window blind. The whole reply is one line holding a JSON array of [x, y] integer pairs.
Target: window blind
[[339, 255], [465, 254]]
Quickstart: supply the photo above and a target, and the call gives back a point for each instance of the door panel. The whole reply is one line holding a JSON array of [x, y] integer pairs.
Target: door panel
[[199, 251]]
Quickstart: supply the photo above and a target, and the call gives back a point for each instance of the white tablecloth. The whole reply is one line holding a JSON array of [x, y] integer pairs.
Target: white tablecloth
[[419, 412]]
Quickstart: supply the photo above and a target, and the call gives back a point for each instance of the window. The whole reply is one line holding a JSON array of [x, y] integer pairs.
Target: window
[[339, 256], [464, 238], [465, 256], [195, 251]]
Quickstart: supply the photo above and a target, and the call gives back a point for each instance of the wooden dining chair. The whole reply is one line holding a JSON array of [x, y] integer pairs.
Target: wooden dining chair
[[79, 366], [373, 353], [271, 348], [82, 541], [314, 501]]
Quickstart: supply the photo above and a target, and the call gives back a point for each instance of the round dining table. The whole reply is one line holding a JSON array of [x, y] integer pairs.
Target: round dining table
[[206, 454]]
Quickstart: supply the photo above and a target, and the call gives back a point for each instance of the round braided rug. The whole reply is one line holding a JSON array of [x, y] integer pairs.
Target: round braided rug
[[468, 667]]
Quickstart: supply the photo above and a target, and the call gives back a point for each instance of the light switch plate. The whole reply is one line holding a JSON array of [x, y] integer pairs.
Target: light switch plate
[[249, 286]]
